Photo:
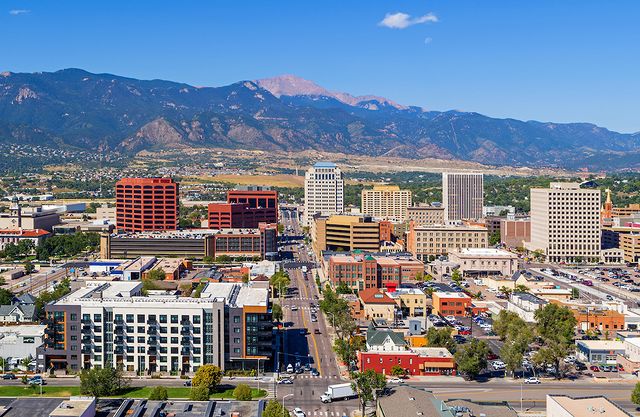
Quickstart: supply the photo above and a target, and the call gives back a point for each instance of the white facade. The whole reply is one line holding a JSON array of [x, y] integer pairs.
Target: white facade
[[18, 342], [387, 202], [485, 260], [565, 223], [462, 196], [323, 191]]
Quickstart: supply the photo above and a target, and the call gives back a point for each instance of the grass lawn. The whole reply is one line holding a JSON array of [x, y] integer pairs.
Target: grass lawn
[[133, 392]]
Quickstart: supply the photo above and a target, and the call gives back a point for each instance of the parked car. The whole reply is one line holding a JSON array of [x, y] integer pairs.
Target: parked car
[[187, 383], [314, 372], [297, 412], [531, 380], [396, 381], [285, 381], [9, 376], [316, 331], [594, 368]]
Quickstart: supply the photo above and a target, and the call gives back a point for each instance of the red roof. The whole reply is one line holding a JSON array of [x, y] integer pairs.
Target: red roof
[[374, 296], [25, 232]]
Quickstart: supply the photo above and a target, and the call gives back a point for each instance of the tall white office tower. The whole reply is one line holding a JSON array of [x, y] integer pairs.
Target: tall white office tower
[[323, 191]]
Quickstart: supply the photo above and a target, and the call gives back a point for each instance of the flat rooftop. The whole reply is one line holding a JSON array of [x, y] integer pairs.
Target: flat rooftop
[[587, 406], [75, 406], [484, 252], [602, 344], [119, 293], [185, 234], [449, 294]]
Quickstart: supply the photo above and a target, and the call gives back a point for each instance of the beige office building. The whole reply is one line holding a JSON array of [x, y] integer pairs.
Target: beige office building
[[425, 215], [425, 241], [323, 191], [485, 261], [462, 196], [386, 202], [565, 223], [345, 233]]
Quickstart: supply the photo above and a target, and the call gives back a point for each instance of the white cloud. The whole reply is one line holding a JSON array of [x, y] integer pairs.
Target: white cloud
[[428, 40], [402, 20], [16, 12]]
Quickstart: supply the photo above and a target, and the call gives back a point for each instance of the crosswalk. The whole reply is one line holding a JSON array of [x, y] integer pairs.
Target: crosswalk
[[344, 413]]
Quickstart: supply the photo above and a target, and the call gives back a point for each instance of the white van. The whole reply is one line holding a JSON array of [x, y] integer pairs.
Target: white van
[[290, 368]]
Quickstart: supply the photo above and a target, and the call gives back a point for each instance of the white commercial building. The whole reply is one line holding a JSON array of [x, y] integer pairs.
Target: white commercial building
[[387, 202], [565, 223], [565, 406], [485, 261], [323, 191], [18, 342], [462, 196]]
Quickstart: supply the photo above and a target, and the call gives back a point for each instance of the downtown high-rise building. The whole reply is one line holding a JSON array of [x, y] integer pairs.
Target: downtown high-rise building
[[323, 191], [462, 196], [386, 202], [565, 223], [147, 204]]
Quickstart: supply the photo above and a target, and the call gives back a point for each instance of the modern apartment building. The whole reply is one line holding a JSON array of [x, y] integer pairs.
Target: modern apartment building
[[425, 215], [462, 196], [430, 241], [323, 191], [565, 223], [113, 323], [386, 202], [146, 204], [346, 233], [244, 208]]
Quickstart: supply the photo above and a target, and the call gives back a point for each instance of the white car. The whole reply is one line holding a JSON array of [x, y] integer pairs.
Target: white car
[[570, 359], [294, 308], [396, 381], [498, 365], [450, 319], [531, 380], [297, 412]]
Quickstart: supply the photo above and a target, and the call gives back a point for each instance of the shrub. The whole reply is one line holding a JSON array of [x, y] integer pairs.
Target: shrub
[[159, 394], [242, 393], [200, 393]]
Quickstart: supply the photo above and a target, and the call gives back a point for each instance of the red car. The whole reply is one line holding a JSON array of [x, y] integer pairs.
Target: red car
[[594, 368], [491, 356]]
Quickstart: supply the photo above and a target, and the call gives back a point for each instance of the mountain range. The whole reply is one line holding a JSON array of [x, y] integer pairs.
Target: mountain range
[[75, 108]]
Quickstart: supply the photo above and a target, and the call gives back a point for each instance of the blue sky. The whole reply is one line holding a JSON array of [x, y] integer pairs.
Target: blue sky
[[553, 60]]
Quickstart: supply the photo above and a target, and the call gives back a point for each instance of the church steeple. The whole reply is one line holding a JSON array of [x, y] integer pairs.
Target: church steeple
[[607, 208]]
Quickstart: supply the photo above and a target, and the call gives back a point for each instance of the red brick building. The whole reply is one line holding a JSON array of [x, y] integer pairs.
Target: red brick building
[[362, 271], [146, 204], [244, 208], [418, 361]]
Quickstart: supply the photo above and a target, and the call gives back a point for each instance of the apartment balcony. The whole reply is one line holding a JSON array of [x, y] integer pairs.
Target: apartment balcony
[[185, 332], [86, 330], [185, 352], [152, 331], [86, 350], [152, 322], [152, 351], [152, 340], [185, 322]]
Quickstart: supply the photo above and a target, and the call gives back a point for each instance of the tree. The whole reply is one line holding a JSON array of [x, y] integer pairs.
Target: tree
[[242, 392], [199, 393], [512, 351], [276, 312], [635, 395], [274, 409], [280, 281], [159, 393], [208, 376], [26, 247], [575, 293], [505, 290], [102, 382], [280, 228], [343, 288], [245, 278], [441, 338], [223, 259], [507, 323], [29, 267], [26, 361], [555, 326], [521, 288], [471, 358], [456, 276], [156, 275], [207, 259], [6, 297], [397, 370], [494, 239], [10, 251], [367, 384]]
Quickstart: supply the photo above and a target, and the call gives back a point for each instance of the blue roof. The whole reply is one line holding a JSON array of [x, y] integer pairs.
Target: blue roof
[[324, 165]]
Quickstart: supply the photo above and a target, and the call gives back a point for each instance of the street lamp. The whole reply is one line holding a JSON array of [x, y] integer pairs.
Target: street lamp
[[284, 398]]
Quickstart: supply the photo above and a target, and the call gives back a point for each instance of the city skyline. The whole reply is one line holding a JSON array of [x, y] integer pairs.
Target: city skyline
[[543, 61]]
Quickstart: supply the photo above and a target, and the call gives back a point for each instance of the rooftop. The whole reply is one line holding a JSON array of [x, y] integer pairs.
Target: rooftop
[[486, 252], [587, 406], [374, 296], [601, 344], [525, 296], [324, 165], [451, 294], [74, 406]]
